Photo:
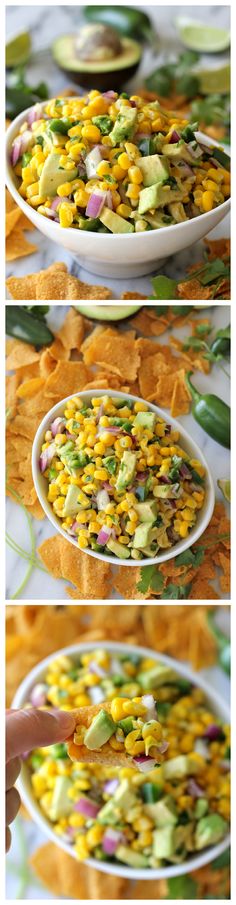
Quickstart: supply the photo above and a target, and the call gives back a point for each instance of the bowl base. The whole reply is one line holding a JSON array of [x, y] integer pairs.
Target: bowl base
[[115, 271]]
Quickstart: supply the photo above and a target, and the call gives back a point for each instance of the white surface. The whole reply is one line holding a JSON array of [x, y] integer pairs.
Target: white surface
[[193, 451], [218, 705], [41, 22], [43, 586]]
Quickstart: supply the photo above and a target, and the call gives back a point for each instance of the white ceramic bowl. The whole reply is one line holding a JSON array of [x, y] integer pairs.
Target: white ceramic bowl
[[128, 255], [40, 482], [219, 707]]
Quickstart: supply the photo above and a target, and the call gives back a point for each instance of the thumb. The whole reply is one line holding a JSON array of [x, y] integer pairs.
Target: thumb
[[32, 728]]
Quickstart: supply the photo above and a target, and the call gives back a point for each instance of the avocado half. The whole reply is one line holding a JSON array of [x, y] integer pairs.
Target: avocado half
[[107, 312], [100, 74]]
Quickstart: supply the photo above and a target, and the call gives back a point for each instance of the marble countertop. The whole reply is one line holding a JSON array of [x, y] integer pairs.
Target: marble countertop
[[44, 587], [27, 837], [40, 20]]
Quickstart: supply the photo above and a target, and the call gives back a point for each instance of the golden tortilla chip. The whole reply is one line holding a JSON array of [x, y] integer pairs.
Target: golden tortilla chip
[[64, 560], [217, 248], [116, 351], [10, 204], [29, 387], [22, 288], [58, 351], [133, 295], [25, 223], [65, 877], [11, 219], [192, 289], [71, 333], [181, 396], [21, 354], [67, 379], [17, 246]]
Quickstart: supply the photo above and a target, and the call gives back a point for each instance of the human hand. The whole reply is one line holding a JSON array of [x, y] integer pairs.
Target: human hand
[[25, 730]]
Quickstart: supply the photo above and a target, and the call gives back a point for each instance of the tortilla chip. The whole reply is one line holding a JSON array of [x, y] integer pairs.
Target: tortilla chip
[[17, 246], [66, 380], [64, 560], [65, 877], [12, 382], [71, 333], [66, 287], [114, 350], [22, 288], [29, 387], [24, 223], [217, 248], [181, 396], [58, 351], [133, 295], [10, 204], [192, 289], [11, 219], [21, 354], [47, 363]]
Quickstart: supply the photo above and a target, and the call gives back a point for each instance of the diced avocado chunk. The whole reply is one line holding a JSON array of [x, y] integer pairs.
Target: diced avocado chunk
[[201, 808], [156, 676], [124, 125], [126, 470], [183, 765], [60, 805], [163, 842], [134, 859], [164, 812], [155, 168], [210, 829], [142, 535], [124, 796], [159, 219], [53, 175], [118, 549], [147, 511], [114, 222], [177, 211], [109, 814], [101, 729], [71, 505], [158, 195], [145, 419]]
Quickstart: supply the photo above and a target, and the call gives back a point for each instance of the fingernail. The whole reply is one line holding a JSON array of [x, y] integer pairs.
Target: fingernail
[[65, 720]]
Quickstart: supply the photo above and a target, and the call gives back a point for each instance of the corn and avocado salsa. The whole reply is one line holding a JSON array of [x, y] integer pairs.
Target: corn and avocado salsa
[[113, 163], [147, 819], [118, 478], [122, 732]]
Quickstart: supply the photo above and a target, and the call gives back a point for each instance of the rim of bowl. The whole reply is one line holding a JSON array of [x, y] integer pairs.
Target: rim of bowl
[[10, 135], [20, 698], [204, 514]]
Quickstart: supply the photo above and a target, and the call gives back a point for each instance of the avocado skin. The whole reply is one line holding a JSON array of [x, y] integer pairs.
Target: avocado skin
[[113, 77]]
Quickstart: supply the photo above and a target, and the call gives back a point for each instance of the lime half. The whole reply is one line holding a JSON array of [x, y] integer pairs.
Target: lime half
[[18, 50], [202, 38], [224, 486], [215, 81]]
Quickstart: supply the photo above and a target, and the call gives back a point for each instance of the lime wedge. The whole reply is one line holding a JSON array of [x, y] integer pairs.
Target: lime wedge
[[224, 486], [107, 312], [215, 81], [202, 38], [18, 50]]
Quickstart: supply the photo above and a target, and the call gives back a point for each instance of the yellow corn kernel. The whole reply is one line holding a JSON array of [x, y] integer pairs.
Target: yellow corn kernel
[[97, 105], [124, 210], [82, 542], [135, 175], [81, 198], [117, 171], [103, 168], [124, 161], [94, 835], [209, 184], [101, 474], [99, 448], [65, 215], [76, 820], [91, 133], [132, 150], [185, 801], [133, 191], [81, 848], [208, 201], [117, 705]]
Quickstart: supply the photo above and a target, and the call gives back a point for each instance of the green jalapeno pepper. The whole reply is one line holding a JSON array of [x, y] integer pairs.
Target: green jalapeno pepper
[[211, 413], [126, 19], [25, 326], [221, 343]]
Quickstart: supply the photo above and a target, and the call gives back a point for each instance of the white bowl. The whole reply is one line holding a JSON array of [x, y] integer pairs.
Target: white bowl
[[40, 482], [128, 255], [220, 708]]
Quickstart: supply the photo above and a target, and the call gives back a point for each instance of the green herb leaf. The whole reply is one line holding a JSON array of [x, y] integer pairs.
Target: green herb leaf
[[222, 861], [183, 887], [190, 558], [157, 580], [146, 575], [164, 287], [176, 591]]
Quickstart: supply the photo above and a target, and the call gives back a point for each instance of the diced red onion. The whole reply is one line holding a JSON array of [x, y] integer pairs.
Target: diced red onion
[[225, 765], [102, 499], [38, 695], [51, 214], [133, 103], [95, 668], [91, 162], [35, 113], [103, 536], [58, 426], [46, 457], [25, 755], [111, 840], [97, 694], [171, 503], [185, 471], [172, 535], [99, 414], [175, 137], [108, 487], [185, 168], [56, 201], [16, 151], [194, 789], [109, 95], [148, 702], [142, 476], [95, 204], [163, 479], [110, 786], [72, 530], [213, 732], [145, 764], [87, 807]]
